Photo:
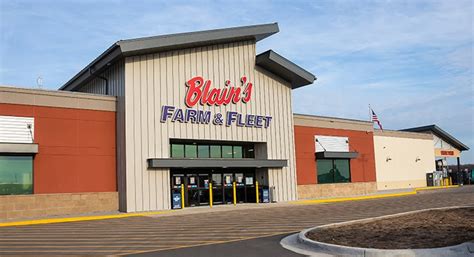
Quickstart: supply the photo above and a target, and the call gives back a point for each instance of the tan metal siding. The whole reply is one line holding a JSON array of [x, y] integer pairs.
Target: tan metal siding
[[159, 79]]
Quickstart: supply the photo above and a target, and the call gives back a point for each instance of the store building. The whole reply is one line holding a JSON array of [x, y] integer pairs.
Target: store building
[[334, 156], [188, 120], [403, 159], [196, 108]]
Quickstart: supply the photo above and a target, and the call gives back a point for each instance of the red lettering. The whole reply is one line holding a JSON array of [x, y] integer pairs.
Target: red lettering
[[247, 93], [199, 91], [194, 92]]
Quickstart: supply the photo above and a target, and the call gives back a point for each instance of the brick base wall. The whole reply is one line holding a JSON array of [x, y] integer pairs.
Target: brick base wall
[[335, 190], [37, 205]]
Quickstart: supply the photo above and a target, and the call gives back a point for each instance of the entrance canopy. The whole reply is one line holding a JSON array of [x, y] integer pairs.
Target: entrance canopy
[[214, 163], [445, 144]]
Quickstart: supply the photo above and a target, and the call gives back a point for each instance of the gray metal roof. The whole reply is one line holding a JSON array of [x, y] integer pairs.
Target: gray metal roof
[[441, 134], [123, 48], [285, 69]]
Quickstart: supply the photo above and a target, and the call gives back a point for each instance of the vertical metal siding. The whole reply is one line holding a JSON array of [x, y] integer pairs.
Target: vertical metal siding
[[159, 79]]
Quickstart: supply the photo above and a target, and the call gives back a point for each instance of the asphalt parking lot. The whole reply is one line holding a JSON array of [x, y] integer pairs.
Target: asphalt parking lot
[[237, 232]]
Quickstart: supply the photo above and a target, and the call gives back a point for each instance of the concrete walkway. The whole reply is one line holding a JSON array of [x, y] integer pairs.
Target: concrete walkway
[[215, 208]]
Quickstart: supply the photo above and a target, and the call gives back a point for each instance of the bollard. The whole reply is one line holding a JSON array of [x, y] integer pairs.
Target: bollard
[[256, 190], [182, 196], [210, 195], [234, 192]]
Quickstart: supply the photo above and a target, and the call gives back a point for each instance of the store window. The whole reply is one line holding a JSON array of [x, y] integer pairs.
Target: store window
[[191, 151], [16, 175], [238, 152], [200, 150], [227, 151], [333, 171], [203, 151], [216, 151], [177, 150]]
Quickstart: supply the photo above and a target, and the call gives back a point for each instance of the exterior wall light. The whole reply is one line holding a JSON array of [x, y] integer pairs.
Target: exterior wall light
[[417, 159], [388, 159]]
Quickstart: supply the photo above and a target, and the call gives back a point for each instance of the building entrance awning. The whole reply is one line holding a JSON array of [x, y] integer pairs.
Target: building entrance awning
[[215, 163], [336, 155]]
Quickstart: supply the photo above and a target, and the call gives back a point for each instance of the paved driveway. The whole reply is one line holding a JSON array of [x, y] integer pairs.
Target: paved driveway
[[168, 235]]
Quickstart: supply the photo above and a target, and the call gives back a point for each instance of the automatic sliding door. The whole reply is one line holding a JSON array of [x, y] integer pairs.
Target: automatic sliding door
[[193, 191], [228, 188], [250, 193], [217, 189], [240, 187], [203, 189]]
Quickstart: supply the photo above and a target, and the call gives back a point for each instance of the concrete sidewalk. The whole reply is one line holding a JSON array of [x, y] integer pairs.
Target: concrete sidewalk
[[215, 208]]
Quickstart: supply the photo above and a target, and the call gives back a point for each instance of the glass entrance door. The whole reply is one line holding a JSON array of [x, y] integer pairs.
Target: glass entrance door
[[196, 186], [228, 188], [217, 189], [240, 187], [250, 193], [203, 187], [192, 194]]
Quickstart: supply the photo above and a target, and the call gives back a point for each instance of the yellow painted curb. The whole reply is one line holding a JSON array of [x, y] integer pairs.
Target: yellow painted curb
[[437, 187], [74, 219], [368, 197], [357, 198]]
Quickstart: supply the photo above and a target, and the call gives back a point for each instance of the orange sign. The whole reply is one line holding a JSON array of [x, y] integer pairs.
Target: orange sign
[[447, 153]]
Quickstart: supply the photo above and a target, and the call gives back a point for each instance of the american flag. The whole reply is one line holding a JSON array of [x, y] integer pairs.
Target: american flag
[[376, 119]]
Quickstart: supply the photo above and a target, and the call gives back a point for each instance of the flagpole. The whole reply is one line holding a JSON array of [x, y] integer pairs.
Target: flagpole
[[370, 113]]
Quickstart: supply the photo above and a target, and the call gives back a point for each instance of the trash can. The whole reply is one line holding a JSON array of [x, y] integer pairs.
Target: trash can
[[429, 179]]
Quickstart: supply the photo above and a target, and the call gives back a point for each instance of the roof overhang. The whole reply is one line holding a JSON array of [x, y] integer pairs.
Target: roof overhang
[[285, 69], [215, 163], [18, 148], [336, 155], [441, 134], [147, 45]]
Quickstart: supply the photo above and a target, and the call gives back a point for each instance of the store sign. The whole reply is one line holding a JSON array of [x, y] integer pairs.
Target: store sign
[[200, 92], [447, 153]]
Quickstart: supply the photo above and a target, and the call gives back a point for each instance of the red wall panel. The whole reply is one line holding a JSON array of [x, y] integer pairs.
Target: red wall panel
[[362, 168], [76, 148]]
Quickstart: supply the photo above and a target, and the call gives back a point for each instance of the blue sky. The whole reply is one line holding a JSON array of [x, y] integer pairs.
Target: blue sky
[[411, 60]]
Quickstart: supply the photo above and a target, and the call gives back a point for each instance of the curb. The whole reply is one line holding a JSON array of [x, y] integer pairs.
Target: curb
[[75, 219], [464, 249]]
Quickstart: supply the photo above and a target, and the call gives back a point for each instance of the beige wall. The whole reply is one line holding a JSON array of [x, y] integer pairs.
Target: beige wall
[[29, 206], [403, 170], [159, 79]]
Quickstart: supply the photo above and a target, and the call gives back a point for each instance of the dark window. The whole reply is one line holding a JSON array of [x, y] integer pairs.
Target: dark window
[[190, 151], [203, 151], [177, 151], [248, 151], [227, 151], [333, 171], [16, 175], [216, 151]]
